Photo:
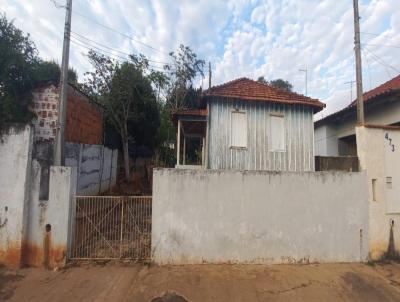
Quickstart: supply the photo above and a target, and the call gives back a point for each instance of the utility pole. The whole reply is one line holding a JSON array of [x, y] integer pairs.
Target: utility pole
[[209, 75], [357, 49], [351, 89], [305, 71], [59, 158]]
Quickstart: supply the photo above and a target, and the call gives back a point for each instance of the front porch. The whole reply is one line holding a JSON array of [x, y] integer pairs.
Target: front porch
[[191, 138]]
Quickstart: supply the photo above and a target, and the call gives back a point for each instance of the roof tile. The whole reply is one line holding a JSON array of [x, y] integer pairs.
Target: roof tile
[[247, 89]]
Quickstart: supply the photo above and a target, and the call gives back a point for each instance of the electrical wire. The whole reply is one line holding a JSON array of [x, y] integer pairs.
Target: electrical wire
[[116, 57], [381, 61], [114, 49]]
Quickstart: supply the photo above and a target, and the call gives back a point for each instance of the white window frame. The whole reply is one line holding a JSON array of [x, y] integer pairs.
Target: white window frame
[[231, 129], [271, 149]]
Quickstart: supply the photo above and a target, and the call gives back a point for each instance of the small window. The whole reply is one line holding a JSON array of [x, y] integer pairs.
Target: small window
[[374, 190], [238, 129], [389, 182], [277, 133]]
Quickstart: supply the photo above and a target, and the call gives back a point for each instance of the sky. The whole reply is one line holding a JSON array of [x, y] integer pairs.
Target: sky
[[240, 38]]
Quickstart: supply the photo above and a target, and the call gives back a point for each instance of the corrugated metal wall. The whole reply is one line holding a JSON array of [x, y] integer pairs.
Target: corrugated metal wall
[[299, 137]]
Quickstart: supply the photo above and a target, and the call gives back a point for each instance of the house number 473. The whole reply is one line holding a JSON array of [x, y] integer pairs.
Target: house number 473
[[390, 141]]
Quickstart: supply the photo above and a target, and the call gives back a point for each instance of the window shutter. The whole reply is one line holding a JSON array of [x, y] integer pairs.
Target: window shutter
[[238, 129], [277, 133]]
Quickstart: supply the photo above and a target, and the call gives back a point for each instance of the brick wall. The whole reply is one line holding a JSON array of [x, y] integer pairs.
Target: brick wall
[[84, 120]]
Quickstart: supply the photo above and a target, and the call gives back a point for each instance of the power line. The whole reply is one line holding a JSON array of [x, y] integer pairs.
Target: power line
[[377, 61], [372, 34], [380, 60], [120, 33], [114, 49], [383, 45], [59, 6], [116, 57]]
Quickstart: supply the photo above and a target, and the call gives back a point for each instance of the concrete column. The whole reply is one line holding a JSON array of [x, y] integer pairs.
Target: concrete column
[[184, 150], [178, 142], [60, 214]]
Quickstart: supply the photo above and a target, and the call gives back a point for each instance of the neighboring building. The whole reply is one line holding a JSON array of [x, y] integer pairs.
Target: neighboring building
[[248, 125], [96, 164], [335, 135], [84, 122]]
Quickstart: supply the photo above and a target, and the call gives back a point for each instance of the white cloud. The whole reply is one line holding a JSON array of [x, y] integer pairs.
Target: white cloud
[[240, 37]]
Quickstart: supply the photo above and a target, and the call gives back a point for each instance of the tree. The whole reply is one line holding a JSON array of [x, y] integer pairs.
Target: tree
[[184, 69], [17, 64], [51, 71], [125, 92], [278, 83]]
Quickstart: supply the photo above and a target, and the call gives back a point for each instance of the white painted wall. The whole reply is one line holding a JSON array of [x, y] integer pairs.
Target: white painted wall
[[379, 154], [15, 161], [326, 141], [23, 217], [58, 212], [96, 165], [258, 217]]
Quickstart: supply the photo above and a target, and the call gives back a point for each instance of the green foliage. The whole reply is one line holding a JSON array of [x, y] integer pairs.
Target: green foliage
[[51, 71], [20, 71], [183, 71], [17, 64], [127, 96], [278, 83]]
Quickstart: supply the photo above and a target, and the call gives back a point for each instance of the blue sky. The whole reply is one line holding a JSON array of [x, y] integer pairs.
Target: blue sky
[[239, 37]]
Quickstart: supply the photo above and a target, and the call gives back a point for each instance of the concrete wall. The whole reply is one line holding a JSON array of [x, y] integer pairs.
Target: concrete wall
[[379, 155], [15, 161], [258, 217], [32, 231], [258, 155], [49, 224], [328, 133], [96, 165], [326, 142]]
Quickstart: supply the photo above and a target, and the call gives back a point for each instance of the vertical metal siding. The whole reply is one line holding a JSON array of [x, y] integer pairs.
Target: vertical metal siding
[[299, 131]]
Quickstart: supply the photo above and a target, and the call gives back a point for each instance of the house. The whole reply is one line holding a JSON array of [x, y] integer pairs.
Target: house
[[335, 134], [248, 125]]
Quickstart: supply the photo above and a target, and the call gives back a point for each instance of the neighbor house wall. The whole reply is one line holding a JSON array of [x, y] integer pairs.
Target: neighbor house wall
[[96, 165], [327, 133], [326, 141], [258, 217], [15, 162], [299, 137], [379, 154], [84, 120]]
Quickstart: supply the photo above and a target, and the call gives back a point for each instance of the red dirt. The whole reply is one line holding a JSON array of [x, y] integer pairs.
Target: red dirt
[[317, 282]]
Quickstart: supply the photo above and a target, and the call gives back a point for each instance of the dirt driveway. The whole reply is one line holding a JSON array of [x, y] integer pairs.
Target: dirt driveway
[[318, 282]]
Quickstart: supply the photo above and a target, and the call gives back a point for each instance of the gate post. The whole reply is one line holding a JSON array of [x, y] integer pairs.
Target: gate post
[[123, 199]]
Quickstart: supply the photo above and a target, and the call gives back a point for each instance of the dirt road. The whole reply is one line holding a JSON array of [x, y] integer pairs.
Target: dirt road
[[319, 282]]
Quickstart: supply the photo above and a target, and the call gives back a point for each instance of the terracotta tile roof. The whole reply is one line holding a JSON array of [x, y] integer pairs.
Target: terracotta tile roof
[[390, 86], [246, 89], [188, 112]]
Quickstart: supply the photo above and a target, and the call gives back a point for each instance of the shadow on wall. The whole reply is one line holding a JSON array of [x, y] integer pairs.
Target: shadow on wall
[[391, 253]]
